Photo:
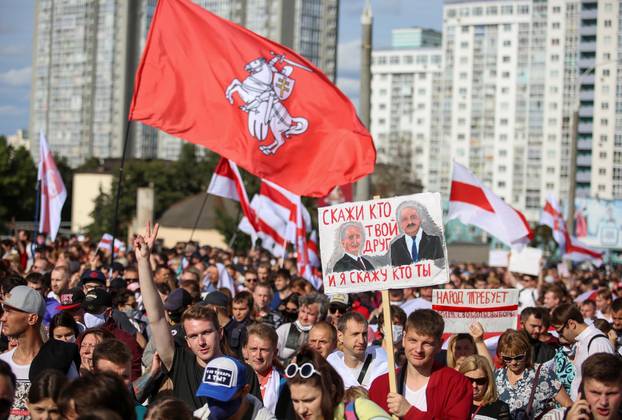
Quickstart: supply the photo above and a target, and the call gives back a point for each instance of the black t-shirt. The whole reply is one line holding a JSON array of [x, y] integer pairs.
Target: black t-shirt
[[497, 410], [187, 374]]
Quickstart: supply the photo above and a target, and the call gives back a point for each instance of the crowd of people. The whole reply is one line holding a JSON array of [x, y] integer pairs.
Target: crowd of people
[[200, 332]]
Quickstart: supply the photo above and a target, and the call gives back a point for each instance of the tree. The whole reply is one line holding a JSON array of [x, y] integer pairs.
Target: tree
[[18, 178]]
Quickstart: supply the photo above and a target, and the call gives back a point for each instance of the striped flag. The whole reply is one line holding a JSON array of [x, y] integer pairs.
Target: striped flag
[[106, 243], [53, 191]]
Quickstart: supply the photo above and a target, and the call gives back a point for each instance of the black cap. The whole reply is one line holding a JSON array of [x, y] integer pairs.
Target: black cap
[[96, 300], [117, 266], [177, 300], [93, 276], [216, 299], [70, 299]]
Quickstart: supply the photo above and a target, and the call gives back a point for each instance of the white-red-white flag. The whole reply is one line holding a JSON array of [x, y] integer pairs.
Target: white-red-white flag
[[227, 182], [52, 190], [577, 251], [475, 204], [552, 217], [271, 227], [106, 243], [313, 250]]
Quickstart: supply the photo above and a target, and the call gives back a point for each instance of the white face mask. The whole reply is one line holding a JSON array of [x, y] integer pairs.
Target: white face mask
[[94, 321], [397, 302], [71, 339], [398, 331]]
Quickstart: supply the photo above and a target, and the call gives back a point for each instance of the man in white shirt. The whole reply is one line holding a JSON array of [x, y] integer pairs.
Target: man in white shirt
[[357, 364], [568, 322], [424, 301], [528, 292]]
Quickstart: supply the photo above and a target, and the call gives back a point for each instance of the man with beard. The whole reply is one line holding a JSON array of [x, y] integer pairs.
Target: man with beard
[[532, 321]]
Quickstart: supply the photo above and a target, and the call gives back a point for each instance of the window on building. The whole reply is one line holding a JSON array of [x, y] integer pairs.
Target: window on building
[[507, 43], [555, 25], [394, 59], [557, 9], [602, 155], [555, 41], [501, 184], [522, 10], [408, 59], [506, 58], [507, 10], [601, 188], [607, 23], [507, 27], [491, 10]]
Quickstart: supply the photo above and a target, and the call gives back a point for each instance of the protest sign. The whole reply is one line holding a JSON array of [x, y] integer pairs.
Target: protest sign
[[369, 245], [495, 309], [498, 258], [526, 261]]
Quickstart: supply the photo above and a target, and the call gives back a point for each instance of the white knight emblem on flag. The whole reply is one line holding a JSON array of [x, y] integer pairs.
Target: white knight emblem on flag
[[263, 92]]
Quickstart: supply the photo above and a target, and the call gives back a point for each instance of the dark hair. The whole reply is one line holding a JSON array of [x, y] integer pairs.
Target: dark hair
[[282, 272], [328, 380], [350, 316], [593, 304], [100, 414], [112, 350], [63, 319], [48, 384], [616, 305], [426, 322], [245, 296], [168, 408], [603, 367], [99, 332], [201, 312], [603, 325], [5, 370], [8, 283], [97, 391], [566, 312], [36, 278], [530, 311], [396, 312], [163, 288], [121, 297]]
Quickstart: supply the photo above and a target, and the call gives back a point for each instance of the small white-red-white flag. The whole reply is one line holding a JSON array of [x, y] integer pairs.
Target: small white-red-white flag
[[52, 190], [227, 182], [106, 243], [552, 217], [475, 204], [577, 251], [313, 250]]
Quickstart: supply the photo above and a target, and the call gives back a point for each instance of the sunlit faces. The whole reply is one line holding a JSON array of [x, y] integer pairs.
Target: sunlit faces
[[321, 340], [604, 399], [533, 326], [309, 314], [59, 280], [551, 300], [479, 382], [617, 320], [123, 371], [516, 363], [409, 221], [262, 296], [307, 401], [588, 311], [354, 339], [260, 354], [203, 338], [420, 349], [86, 350], [15, 322], [352, 240]]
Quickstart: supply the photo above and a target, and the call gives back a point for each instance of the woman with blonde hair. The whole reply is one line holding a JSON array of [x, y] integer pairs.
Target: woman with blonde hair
[[486, 403], [463, 345]]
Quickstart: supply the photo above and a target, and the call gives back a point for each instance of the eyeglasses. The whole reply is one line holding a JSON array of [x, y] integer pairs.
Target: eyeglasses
[[560, 331], [478, 381], [518, 358], [337, 308], [251, 279], [306, 370]]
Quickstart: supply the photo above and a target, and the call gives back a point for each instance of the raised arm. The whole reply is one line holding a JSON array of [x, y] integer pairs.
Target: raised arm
[[153, 303], [477, 332]]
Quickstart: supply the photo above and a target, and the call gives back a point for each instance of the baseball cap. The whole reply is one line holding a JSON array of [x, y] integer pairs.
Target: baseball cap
[[96, 300], [93, 276], [70, 299], [217, 299], [339, 298], [178, 299], [223, 377], [26, 299]]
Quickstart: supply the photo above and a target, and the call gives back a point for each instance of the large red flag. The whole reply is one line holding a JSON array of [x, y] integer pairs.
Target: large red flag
[[258, 103]]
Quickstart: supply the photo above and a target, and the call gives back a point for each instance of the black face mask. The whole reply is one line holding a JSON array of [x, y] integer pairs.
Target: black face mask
[[289, 316], [221, 410]]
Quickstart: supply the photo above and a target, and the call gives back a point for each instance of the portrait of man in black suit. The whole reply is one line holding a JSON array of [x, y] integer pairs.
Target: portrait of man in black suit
[[420, 238], [351, 240]]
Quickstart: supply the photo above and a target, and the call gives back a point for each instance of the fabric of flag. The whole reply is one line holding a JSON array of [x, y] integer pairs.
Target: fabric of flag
[[227, 182], [475, 204], [313, 250], [552, 217], [578, 252], [52, 190], [217, 84], [106, 243]]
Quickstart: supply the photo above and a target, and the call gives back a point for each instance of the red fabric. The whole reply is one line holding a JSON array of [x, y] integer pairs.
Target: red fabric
[[192, 58], [449, 395], [471, 194]]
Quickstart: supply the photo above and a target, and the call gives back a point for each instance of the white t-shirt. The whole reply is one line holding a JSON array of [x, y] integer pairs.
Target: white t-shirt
[[417, 398], [599, 345], [378, 366], [19, 409]]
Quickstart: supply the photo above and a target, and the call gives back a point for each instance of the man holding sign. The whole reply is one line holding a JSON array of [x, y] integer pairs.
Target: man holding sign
[[352, 238], [415, 244]]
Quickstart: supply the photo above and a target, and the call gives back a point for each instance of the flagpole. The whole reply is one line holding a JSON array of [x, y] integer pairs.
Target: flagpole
[[196, 222], [119, 188]]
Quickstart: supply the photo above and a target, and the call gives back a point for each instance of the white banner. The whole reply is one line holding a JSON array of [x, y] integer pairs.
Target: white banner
[[498, 258], [495, 309], [526, 261], [390, 243]]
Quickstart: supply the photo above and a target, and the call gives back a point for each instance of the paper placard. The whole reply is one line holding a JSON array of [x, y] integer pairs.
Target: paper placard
[[526, 261], [498, 258], [368, 245], [495, 309]]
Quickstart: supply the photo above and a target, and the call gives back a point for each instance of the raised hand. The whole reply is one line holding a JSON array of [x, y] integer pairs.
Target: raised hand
[[476, 331], [144, 244]]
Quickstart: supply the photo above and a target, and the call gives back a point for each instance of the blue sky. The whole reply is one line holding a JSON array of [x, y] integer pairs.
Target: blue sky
[[17, 21]]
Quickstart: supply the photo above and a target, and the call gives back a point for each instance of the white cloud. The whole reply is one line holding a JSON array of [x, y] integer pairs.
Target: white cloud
[[349, 57], [16, 77]]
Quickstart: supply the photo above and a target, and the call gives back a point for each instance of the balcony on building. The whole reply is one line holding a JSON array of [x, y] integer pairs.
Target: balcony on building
[[584, 177], [586, 111], [584, 160]]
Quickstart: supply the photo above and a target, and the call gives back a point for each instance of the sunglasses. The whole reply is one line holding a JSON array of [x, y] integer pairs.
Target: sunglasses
[[518, 358], [336, 308], [306, 370], [478, 381]]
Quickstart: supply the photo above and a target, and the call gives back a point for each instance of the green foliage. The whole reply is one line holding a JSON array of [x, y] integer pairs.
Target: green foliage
[[18, 178]]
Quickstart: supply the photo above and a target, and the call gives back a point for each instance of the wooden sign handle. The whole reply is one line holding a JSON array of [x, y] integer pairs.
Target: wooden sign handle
[[388, 341]]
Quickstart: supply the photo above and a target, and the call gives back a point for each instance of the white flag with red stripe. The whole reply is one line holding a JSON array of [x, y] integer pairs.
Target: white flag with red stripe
[[271, 227], [552, 217], [106, 243], [227, 182], [52, 191], [475, 204], [313, 250], [577, 251]]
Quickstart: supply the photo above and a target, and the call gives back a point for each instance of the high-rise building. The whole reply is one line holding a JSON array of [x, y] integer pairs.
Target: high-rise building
[[415, 38], [405, 122], [86, 52]]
